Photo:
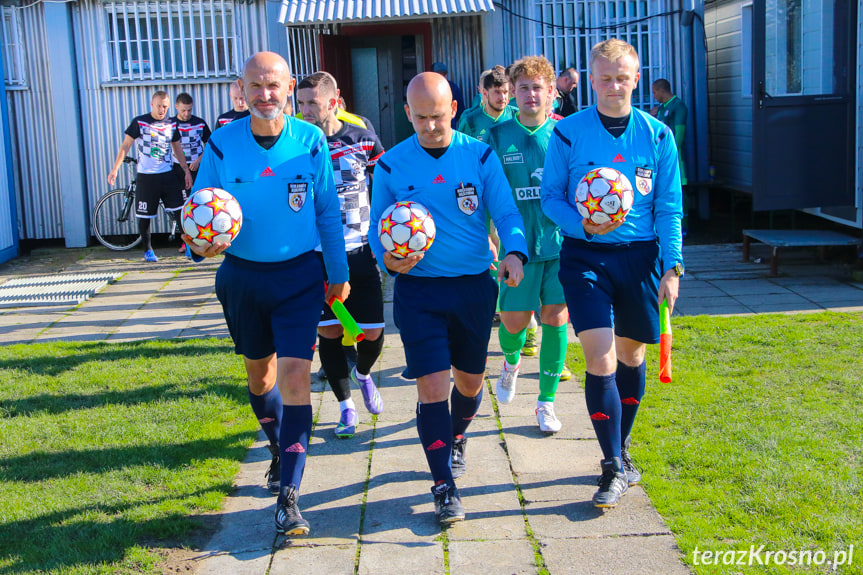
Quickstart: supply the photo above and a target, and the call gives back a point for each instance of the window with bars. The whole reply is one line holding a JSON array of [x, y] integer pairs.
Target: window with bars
[[174, 40], [13, 52], [570, 29]]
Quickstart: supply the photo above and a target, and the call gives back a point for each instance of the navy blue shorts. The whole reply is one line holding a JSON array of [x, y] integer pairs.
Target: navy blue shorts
[[615, 286], [445, 321], [272, 307]]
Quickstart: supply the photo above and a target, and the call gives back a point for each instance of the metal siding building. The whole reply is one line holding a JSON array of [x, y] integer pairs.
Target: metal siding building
[[793, 75], [108, 99]]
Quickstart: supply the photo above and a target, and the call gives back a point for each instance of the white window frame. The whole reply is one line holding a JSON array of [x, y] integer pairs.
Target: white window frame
[[14, 58], [183, 40], [566, 47]]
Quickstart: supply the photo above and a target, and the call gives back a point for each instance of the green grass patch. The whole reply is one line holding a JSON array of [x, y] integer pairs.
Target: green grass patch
[[109, 451], [758, 440]]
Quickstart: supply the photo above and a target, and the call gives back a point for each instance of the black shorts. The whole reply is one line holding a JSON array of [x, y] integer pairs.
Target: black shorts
[[154, 187], [366, 301]]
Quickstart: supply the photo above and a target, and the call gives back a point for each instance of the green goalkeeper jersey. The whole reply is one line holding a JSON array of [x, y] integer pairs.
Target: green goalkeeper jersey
[[522, 152]]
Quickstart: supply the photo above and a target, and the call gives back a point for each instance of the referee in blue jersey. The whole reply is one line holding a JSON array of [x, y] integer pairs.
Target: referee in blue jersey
[[444, 299], [615, 274], [271, 284]]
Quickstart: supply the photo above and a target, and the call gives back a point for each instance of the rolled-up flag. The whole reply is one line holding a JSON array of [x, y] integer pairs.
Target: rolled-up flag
[[352, 332], [664, 342]]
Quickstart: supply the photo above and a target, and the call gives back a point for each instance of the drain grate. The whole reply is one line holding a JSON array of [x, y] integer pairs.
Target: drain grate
[[59, 289]]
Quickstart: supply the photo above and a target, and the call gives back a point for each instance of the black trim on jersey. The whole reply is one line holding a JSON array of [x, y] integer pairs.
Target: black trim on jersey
[[662, 134], [386, 168], [318, 149], [485, 156], [562, 137], [216, 150]]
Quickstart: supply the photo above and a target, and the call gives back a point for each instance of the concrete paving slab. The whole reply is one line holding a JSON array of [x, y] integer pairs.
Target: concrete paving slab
[[250, 563], [748, 287], [563, 456], [298, 559], [479, 557], [578, 517], [603, 555], [386, 558]]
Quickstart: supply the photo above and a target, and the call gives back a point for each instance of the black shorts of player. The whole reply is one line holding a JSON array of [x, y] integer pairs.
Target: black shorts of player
[[612, 286], [154, 187], [445, 322], [366, 300], [181, 180], [272, 307]]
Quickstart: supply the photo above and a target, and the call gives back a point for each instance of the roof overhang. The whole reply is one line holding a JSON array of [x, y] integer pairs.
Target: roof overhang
[[305, 12]]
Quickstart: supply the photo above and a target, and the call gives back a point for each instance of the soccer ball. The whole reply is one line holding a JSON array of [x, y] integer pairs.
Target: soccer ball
[[211, 215], [604, 195], [406, 228]]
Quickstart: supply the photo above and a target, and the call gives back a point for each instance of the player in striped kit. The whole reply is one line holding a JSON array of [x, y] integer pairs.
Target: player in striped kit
[[615, 274], [354, 151], [158, 142]]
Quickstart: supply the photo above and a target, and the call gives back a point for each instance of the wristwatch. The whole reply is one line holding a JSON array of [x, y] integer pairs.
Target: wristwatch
[[520, 256], [678, 269]]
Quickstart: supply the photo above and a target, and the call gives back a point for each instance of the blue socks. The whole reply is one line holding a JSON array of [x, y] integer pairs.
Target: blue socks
[[604, 408], [268, 410], [434, 425], [631, 382], [464, 409], [294, 442]]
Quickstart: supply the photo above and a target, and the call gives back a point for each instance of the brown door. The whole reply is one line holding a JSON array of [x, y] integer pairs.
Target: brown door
[[336, 59]]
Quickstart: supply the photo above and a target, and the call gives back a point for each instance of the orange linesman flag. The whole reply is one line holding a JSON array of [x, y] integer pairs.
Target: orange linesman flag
[[664, 342]]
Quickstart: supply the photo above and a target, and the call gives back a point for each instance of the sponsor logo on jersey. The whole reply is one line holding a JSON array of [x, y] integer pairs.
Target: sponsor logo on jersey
[[467, 199], [267, 172], [643, 180], [537, 173], [513, 158], [531, 193], [297, 195], [439, 180], [618, 158]]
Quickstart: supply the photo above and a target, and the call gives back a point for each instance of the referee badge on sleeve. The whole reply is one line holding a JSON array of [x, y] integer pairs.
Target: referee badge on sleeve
[[467, 198], [297, 195], [643, 180]]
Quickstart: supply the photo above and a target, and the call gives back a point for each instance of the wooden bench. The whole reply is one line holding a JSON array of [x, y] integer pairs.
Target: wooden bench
[[794, 238]]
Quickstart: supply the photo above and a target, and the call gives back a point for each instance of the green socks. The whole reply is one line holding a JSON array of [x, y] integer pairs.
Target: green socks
[[552, 354], [511, 343]]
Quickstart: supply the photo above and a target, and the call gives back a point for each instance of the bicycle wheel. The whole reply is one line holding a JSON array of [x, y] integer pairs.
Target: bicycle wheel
[[107, 225]]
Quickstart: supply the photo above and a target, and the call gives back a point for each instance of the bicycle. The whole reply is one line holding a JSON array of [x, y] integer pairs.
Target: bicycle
[[114, 222]]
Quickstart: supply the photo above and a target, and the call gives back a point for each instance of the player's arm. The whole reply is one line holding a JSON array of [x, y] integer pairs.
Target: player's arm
[[555, 183], [205, 137], [497, 196], [374, 155], [328, 216], [668, 212], [125, 147], [180, 157]]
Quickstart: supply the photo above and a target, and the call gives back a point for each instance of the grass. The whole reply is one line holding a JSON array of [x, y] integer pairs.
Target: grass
[[758, 440], [110, 450]]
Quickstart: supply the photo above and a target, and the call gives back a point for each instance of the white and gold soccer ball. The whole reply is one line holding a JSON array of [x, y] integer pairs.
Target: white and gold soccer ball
[[211, 215], [406, 228], [603, 195]]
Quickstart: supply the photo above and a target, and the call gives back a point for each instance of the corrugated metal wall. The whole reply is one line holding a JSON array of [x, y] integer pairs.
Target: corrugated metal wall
[[31, 127], [518, 33], [455, 41], [107, 109], [730, 109]]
